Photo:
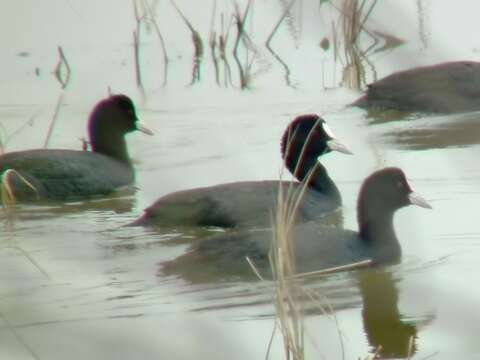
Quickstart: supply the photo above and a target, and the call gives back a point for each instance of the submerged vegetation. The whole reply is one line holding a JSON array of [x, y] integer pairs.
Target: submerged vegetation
[[145, 16], [62, 70], [352, 40]]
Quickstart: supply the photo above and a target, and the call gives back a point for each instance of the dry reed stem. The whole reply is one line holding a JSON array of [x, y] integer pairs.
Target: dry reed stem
[[148, 17], [18, 337], [270, 49], [32, 261], [213, 53], [53, 120], [222, 46], [62, 63], [8, 204], [254, 269], [18, 130], [286, 212], [136, 51], [136, 12], [296, 34], [316, 299], [365, 17], [270, 341], [422, 28], [213, 44], [151, 18], [282, 260], [410, 347], [8, 196], [352, 266], [335, 52], [289, 309], [354, 17], [136, 46], [350, 32], [197, 40], [240, 22], [197, 43]]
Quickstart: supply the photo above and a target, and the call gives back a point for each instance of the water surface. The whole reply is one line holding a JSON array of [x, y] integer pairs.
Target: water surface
[[76, 284]]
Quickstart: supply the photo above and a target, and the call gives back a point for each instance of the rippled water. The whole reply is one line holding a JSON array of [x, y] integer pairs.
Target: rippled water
[[76, 284]]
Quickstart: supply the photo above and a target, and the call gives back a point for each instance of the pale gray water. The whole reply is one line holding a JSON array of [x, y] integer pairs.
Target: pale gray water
[[101, 294]]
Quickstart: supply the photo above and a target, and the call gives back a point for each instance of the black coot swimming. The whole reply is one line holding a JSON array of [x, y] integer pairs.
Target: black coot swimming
[[316, 247], [250, 203], [442, 88], [70, 174]]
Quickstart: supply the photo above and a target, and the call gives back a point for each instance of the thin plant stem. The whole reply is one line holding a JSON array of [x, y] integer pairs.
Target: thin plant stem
[[18, 130], [136, 50], [152, 20], [18, 337], [62, 62], [53, 120], [270, 49], [213, 45], [240, 22]]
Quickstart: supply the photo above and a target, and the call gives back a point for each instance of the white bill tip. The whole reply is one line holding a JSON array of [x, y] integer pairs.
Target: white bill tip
[[416, 199], [141, 127], [336, 145]]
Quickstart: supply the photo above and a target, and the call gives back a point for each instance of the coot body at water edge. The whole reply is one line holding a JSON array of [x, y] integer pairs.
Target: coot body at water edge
[[250, 203], [315, 247], [59, 174], [449, 87]]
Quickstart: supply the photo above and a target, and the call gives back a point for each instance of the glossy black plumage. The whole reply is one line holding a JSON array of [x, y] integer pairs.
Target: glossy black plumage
[[317, 247], [68, 174], [250, 203]]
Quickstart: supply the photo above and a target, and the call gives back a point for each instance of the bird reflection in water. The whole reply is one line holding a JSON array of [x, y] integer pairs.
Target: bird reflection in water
[[382, 322]]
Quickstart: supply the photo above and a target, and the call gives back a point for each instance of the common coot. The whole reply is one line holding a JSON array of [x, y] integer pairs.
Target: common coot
[[442, 88], [315, 247], [70, 174], [250, 203]]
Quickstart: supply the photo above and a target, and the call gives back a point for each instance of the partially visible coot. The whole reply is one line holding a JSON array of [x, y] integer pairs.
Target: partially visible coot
[[70, 174], [250, 203], [315, 247], [442, 88]]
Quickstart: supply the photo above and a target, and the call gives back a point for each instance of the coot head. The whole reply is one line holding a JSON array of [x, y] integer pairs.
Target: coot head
[[305, 139], [109, 121], [382, 193]]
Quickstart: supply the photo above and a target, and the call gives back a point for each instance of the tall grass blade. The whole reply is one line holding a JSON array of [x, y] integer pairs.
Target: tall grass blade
[[53, 121]]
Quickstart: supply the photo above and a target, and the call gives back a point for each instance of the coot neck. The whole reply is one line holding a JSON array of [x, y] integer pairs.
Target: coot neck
[[377, 231], [110, 142], [313, 172]]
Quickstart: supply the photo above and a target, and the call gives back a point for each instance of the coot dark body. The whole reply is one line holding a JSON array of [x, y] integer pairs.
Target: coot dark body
[[250, 203], [317, 247], [69, 174], [442, 88]]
